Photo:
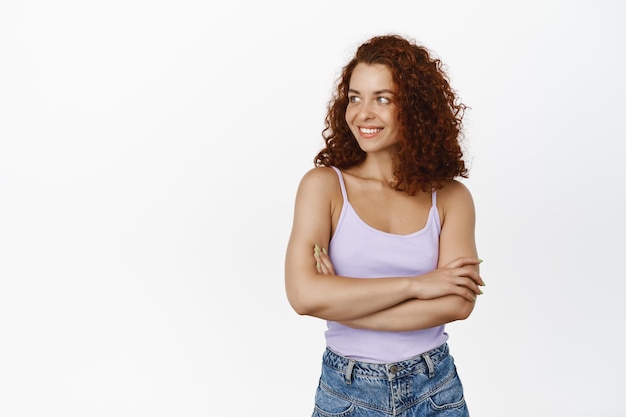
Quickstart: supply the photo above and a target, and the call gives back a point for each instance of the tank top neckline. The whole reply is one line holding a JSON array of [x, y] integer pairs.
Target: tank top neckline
[[433, 213]]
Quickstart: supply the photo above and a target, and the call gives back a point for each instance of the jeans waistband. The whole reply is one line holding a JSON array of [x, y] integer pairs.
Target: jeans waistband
[[424, 362]]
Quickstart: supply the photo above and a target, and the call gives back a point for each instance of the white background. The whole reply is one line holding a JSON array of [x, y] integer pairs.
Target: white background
[[149, 157]]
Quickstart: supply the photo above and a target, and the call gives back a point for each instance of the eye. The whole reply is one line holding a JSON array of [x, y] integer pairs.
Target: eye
[[353, 99], [383, 100]]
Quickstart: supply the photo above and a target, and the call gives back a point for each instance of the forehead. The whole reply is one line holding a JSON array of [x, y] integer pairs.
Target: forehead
[[371, 77]]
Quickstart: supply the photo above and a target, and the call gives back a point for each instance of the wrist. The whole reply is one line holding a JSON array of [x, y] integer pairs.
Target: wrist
[[415, 287]]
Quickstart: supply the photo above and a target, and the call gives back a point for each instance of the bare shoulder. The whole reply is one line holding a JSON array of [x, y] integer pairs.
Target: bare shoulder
[[319, 192], [454, 196], [320, 180], [453, 191]]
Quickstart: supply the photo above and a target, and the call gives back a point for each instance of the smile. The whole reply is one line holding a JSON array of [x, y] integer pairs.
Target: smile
[[369, 131]]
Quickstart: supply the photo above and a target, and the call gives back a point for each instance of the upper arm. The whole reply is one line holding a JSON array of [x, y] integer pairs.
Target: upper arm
[[457, 236], [312, 222]]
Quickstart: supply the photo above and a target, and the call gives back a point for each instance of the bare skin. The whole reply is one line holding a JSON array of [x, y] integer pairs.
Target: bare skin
[[397, 303]]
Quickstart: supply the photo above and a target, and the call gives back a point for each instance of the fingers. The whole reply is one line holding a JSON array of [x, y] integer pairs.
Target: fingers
[[467, 282], [466, 267], [470, 296], [322, 261], [468, 288], [467, 294], [472, 274]]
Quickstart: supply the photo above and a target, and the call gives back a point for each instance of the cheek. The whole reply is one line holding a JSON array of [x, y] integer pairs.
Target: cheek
[[350, 114], [391, 118]]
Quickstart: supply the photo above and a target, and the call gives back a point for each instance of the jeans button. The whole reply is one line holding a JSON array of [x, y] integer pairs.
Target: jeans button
[[393, 369]]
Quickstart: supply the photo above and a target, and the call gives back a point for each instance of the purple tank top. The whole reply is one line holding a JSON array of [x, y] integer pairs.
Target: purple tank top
[[359, 250]]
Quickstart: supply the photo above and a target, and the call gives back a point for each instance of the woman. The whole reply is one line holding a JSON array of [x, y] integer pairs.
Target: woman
[[401, 259]]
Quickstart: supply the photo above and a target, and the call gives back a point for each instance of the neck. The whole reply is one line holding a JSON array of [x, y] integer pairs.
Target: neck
[[378, 166]]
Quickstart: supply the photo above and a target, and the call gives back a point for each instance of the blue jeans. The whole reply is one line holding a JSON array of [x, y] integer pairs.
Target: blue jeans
[[426, 385]]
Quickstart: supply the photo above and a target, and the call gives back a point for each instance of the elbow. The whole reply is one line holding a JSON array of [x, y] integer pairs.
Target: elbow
[[303, 295], [307, 306], [300, 308], [299, 303], [463, 309]]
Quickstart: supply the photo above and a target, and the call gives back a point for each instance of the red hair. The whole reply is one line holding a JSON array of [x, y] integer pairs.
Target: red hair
[[429, 117]]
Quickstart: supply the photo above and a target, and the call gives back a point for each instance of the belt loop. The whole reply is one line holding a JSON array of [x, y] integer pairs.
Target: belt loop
[[429, 364], [349, 368]]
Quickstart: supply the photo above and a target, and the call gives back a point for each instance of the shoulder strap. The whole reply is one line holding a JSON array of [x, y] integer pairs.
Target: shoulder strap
[[434, 198], [341, 183]]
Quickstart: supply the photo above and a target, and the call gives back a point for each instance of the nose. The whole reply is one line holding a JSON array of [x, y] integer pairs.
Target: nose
[[366, 112]]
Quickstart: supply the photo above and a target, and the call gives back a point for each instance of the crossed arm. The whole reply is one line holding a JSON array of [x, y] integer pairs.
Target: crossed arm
[[393, 304]]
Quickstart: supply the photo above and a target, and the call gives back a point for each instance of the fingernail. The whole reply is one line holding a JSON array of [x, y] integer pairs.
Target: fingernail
[[480, 261], [317, 249], [324, 250], [318, 266]]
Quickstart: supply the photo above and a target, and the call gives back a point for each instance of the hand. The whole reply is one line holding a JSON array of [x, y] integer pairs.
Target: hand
[[459, 277], [322, 261]]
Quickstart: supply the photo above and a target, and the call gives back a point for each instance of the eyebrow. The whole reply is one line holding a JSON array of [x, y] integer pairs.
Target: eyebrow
[[351, 90]]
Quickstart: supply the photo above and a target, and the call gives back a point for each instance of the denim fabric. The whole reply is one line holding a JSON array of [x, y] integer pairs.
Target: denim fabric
[[426, 385]]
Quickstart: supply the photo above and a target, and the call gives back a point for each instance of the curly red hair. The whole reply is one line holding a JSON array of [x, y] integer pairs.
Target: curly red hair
[[429, 117]]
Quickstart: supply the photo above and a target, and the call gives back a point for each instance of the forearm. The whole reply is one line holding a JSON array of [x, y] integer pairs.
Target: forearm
[[415, 315], [338, 298]]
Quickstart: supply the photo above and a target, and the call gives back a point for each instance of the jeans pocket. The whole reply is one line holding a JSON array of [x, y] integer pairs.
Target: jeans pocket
[[449, 396], [329, 405]]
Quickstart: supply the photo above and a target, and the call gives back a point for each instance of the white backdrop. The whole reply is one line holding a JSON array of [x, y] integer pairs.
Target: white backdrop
[[149, 157]]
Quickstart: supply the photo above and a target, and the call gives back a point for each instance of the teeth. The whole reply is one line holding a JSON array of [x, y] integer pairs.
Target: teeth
[[369, 131]]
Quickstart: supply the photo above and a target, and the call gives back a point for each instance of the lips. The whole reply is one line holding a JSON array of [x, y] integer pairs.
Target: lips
[[369, 130]]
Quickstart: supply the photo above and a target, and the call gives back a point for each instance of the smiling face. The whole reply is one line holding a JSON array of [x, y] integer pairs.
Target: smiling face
[[371, 112]]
